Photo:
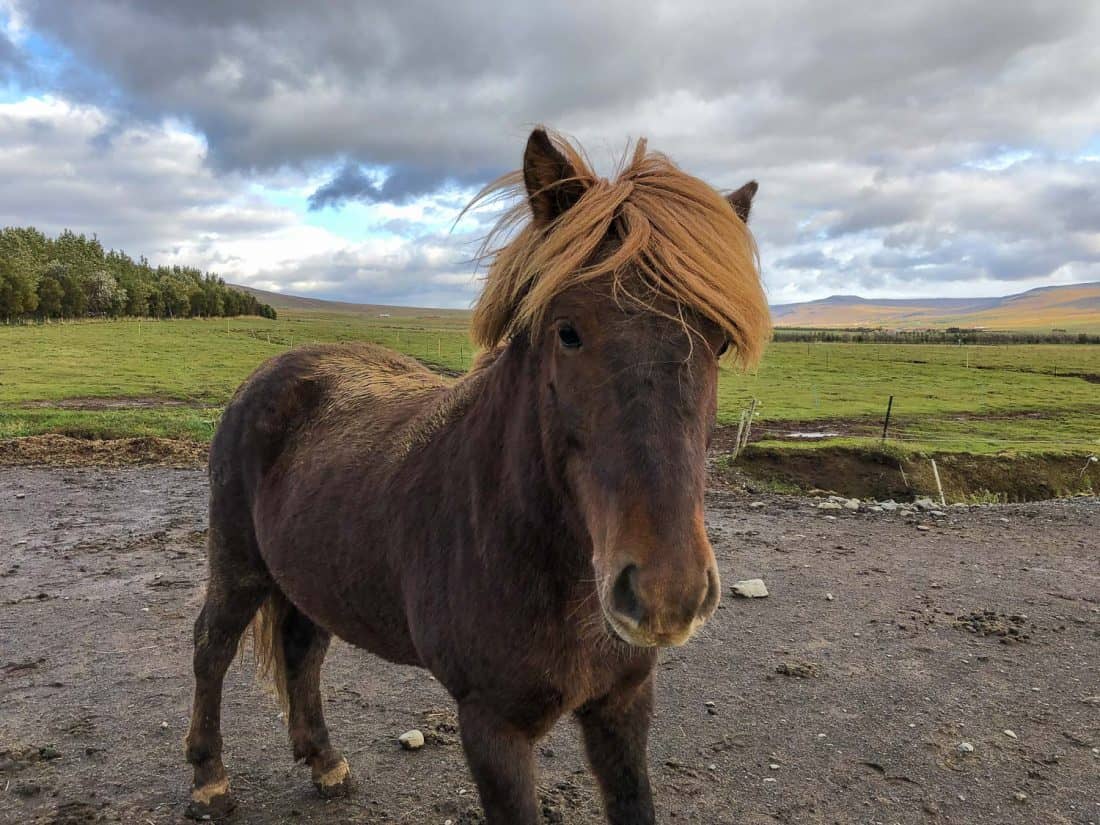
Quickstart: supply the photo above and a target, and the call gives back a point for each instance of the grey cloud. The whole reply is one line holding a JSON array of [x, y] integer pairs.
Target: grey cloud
[[11, 59], [813, 259], [859, 121], [401, 184]]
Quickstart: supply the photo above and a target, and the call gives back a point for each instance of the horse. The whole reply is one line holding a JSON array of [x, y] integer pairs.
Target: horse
[[531, 533]]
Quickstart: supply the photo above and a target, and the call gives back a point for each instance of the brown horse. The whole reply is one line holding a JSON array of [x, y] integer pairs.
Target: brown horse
[[531, 533]]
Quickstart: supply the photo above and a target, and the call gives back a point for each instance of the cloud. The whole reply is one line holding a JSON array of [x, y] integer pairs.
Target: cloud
[[900, 147], [150, 191]]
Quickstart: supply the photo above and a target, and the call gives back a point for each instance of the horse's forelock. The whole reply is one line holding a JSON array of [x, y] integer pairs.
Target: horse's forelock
[[678, 234]]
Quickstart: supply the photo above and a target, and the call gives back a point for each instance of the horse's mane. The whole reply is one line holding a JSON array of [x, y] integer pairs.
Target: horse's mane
[[677, 233]]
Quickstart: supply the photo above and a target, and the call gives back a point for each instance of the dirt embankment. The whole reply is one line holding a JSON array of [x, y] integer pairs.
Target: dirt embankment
[[862, 473], [883, 474], [920, 668]]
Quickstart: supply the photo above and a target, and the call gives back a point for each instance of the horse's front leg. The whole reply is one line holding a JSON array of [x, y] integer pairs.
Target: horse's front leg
[[502, 760], [616, 730]]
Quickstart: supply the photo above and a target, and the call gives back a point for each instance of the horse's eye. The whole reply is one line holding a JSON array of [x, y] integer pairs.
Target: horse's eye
[[722, 350], [569, 337]]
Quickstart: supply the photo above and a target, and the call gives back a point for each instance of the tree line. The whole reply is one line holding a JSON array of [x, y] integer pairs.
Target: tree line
[[72, 276]]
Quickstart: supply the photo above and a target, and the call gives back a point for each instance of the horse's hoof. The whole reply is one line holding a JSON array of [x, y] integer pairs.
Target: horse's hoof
[[211, 803], [335, 782]]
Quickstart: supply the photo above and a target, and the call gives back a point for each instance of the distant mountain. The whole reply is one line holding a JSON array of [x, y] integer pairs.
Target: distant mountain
[[1075, 308]]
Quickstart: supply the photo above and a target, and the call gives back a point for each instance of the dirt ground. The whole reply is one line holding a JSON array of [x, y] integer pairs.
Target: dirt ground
[[844, 697]]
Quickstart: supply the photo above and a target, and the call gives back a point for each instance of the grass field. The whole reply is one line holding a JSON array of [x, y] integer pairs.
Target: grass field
[[170, 378]]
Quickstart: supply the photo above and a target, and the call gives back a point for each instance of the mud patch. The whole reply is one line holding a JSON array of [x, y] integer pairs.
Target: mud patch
[[65, 451], [1010, 629]]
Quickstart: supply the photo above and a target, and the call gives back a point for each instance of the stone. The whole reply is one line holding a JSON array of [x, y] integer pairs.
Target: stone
[[756, 505], [1020, 796], [750, 589], [1010, 734], [924, 503], [851, 504], [889, 505], [965, 747], [412, 740], [829, 505], [829, 597]]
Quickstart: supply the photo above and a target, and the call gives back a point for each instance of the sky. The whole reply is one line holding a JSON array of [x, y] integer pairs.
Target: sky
[[941, 148]]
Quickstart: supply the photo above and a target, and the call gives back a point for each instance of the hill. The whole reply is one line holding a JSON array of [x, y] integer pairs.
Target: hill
[[1075, 308], [299, 303]]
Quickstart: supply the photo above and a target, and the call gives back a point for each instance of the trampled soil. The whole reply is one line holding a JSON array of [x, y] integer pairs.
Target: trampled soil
[[842, 710]]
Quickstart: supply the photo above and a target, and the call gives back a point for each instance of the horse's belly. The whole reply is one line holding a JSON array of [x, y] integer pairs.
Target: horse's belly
[[350, 592]]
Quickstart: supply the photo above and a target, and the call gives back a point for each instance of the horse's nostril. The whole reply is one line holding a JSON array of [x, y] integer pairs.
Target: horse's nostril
[[624, 594]]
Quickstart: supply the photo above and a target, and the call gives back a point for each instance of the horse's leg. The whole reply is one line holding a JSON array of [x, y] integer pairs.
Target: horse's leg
[[502, 760], [616, 729], [304, 648], [234, 592]]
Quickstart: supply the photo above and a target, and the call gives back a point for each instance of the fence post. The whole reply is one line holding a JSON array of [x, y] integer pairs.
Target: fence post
[[740, 431], [936, 473], [748, 423], [886, 423]]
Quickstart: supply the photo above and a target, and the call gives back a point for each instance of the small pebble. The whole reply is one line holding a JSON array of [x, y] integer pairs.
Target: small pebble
[[411, 740], [1010, 734], [965, 747], [828, 597], [1020, 796], [774, 766]]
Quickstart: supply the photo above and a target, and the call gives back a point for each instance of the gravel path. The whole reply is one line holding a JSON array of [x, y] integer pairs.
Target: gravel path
[[101, 574]]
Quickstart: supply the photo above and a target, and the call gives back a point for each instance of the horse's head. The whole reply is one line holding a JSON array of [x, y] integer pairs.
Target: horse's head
[[629, 292]]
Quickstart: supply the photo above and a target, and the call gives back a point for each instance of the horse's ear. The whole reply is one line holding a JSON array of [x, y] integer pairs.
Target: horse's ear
[[741, 200], [551, 181]]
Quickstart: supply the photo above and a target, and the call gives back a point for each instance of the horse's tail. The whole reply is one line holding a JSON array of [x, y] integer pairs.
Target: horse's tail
[[266, 631]]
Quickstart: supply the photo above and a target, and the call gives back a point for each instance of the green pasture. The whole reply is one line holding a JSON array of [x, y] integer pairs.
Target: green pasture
[[171, 378]]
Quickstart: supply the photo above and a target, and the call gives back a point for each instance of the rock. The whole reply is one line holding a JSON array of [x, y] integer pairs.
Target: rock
[[750, 589], [20, 495], [412, 740], [800, 670], [1020, 796], [965, 747], [829, 518], [924, 503], [774, 766], [829, 505], [889, 505], [756, 505], [924, 528], [1010, 734], [851, 504], [829, 597]]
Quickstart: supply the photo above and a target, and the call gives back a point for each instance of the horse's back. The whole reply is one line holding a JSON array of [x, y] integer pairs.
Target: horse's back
[[343, 391]]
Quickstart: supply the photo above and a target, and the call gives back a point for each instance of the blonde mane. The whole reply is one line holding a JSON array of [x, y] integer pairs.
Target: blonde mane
[[681, 237]]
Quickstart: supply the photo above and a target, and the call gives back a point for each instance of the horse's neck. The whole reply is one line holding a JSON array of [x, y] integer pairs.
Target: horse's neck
[[505, 480]]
